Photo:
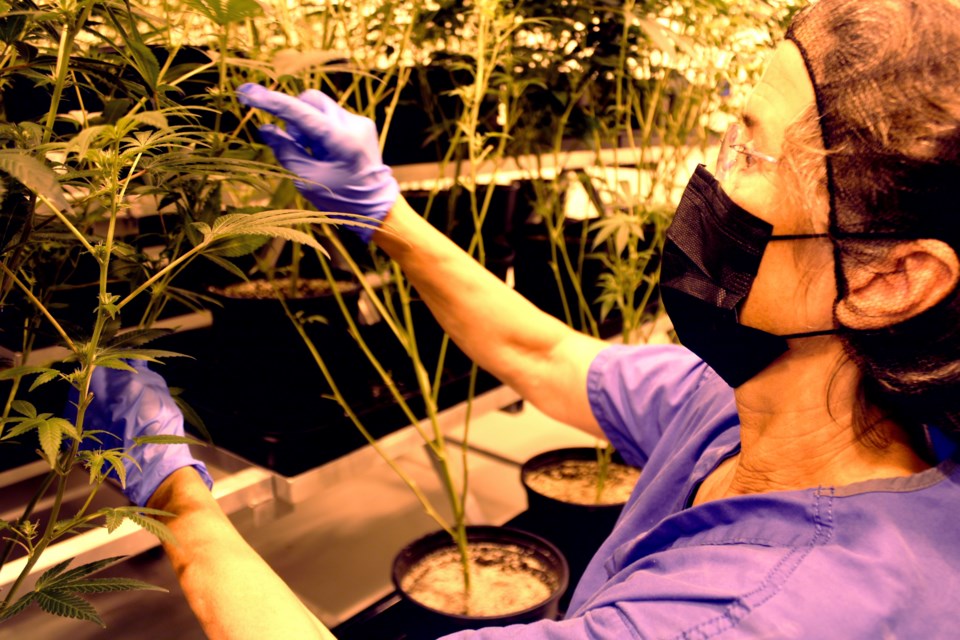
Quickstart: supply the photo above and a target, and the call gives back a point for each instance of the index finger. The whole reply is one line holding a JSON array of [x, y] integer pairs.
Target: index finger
[[306, 117]]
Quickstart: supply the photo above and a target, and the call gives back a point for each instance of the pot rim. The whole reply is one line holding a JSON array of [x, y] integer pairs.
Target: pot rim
[[547, 458], [440, 539]]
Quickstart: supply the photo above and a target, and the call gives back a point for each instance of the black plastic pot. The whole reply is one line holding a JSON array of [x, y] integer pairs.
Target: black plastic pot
[[577, 530], [436, 623]]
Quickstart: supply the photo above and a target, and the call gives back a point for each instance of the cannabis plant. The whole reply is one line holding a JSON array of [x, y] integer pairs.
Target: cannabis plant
[[486, 36], [92, 134]]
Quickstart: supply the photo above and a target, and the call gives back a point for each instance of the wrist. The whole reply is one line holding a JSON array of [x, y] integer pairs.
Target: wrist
[[181, 492]]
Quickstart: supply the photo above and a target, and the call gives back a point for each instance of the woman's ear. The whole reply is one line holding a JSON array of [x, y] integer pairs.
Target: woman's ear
[[908, 279]]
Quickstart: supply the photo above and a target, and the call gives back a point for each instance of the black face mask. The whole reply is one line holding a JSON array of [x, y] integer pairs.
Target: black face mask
[[710, 259]]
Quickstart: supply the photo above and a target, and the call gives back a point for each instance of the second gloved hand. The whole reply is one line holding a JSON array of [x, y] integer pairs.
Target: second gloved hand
[[335, 153], [128, 404]]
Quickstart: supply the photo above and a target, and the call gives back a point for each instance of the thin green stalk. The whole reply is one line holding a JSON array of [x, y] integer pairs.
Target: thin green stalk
[[338, 396], [69, 225], [40, 307], [64, 52], [28, 511]]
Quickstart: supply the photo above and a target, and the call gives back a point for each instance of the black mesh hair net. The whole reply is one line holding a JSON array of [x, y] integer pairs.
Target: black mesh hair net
[[887, 80]]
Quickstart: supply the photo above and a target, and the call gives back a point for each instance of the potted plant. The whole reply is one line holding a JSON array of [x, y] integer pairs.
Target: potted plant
[[467, 591], [635, 85]]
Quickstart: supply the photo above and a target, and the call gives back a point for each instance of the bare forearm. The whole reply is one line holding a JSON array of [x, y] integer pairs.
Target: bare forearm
[[231, 589], [539, 356]]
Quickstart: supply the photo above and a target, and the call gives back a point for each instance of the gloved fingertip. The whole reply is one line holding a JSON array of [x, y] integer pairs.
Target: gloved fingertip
[[320, 101], [247, 93]]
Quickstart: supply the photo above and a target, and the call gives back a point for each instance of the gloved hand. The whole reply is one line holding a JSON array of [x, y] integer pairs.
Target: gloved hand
[[335, 153], [130, 404]]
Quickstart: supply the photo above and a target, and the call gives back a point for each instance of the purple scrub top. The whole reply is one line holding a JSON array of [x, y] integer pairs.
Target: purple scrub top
[[876, 559]]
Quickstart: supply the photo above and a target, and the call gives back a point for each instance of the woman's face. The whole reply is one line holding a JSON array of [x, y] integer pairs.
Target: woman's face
[[795, 288]]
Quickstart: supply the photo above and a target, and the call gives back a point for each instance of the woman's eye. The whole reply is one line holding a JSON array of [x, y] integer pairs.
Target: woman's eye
[[745, 155]]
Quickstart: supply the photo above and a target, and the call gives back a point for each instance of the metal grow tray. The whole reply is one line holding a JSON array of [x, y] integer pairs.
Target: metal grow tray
[[240, 485]]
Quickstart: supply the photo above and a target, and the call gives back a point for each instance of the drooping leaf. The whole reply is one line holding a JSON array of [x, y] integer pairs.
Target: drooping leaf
[[50, 436], [147, 64], [105, 585], [224, 12], [109, 357], [56, 578], [18, 372], [51, 574], [45, 377], [81, 143], [34, 175], [112, 519], [191, 416], [138, 337], [18, 606], [24, 408], [67, 605], [236, 246], [114, 459], [150, 118], [226, 264], [153, 526], [23, 427]]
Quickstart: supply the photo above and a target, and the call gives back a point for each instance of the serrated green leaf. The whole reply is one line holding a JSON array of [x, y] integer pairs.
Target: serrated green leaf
[[80, 143], [34, 175], [45, 377], [155, 527], [50, 436], [67, 605], [111, 354], [138, 337], [105, 585], [150, 118], [114, 459], [24, 408], [147, 64], [18, 606], [224, 12], [191, 416], [21, 371], [227, 265], [23, 427], [94, 460], [112, 519], [115, 363], [57, 579], [145, 511], [235, 246], [51, 574]]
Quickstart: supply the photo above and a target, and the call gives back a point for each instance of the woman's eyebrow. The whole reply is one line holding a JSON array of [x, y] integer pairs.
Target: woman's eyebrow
[[755, 127]]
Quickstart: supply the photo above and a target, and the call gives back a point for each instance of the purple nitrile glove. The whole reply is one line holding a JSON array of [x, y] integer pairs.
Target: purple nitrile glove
[[138, 403], [335, 153]]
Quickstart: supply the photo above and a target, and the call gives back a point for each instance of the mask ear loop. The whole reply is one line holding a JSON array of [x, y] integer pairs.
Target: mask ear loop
[[806, 334], [799, 236]]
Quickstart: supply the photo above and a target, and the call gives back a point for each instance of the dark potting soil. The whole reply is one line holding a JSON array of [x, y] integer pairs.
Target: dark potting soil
[[575, 481], [504, 579]]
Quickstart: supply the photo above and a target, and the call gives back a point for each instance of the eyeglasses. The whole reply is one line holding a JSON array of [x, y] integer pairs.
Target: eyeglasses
[[733, 146]]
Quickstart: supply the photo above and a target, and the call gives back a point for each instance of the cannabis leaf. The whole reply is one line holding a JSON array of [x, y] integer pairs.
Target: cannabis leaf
[[34, 175], [57, 591], [223, 12]]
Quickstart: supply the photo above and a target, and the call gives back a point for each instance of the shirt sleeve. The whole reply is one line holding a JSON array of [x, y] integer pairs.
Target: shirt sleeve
[[635, 392]]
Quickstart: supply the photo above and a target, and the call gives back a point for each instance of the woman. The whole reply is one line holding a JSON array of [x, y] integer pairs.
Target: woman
[[790, 487]]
